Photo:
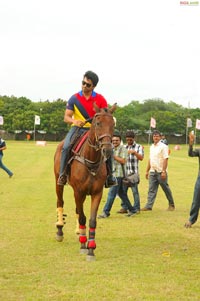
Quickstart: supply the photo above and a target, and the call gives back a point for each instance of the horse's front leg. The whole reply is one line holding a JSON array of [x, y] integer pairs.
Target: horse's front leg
[[92, 227], [82, 222], [60, 215]]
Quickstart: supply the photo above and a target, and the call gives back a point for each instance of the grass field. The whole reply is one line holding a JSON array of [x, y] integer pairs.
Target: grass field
[[150, 256]]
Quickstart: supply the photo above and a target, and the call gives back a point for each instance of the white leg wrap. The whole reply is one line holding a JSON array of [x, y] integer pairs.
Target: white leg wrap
[[60, 221], [77, 231]]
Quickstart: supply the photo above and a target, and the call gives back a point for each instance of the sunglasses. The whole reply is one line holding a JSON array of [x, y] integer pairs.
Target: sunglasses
[[86, 84]]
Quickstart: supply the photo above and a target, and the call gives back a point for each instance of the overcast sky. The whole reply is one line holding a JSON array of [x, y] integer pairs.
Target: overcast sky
[[140, 49]]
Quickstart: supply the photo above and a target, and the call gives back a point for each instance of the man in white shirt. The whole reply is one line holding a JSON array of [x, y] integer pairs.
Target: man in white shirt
[[156, 172]]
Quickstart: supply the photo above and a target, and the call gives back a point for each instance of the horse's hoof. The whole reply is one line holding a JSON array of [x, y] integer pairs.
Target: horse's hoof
[[90, 258], [83, 251], [59, 238]]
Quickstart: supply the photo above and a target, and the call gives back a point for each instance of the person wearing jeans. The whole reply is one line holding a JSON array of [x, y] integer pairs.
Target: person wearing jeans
[[136, 196], [194, 211], [2, 166], [156, 179], [156, 172], [119, 158], [79, 113], [135, 154]]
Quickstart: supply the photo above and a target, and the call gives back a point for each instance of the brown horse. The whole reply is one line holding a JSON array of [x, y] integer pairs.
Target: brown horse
[[87, 177]]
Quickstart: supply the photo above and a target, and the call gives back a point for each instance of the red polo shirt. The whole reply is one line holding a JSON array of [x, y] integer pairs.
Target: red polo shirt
[[83, 108]]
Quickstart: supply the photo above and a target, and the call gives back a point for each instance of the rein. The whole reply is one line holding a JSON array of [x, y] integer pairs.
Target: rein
[[97, 146]]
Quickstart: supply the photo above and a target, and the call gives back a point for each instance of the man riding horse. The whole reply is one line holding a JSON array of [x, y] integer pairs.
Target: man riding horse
[[79, 113]]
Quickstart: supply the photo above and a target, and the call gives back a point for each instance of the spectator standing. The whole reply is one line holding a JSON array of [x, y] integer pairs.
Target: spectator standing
[[119, 158], [163, 139], [2, 148], [135, 154], [156, 172], [194, 211]]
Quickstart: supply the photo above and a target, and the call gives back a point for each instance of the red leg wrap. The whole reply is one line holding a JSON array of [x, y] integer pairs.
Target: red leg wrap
[[91, 244], [82, 239], [91, 241]]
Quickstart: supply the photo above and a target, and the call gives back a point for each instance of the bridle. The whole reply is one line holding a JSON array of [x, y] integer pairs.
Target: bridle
[[98, 144]]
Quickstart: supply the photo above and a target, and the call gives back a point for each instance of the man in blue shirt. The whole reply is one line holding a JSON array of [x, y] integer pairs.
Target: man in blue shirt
[[2, 148]]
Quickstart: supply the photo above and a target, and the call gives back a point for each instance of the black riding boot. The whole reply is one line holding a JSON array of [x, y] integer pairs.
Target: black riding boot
[[111, 180], [62, 180]]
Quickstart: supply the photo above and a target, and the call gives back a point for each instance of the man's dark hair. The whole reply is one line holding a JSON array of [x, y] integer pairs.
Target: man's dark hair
[[92, 76], [130, 134], [156, 132], [116, 134]]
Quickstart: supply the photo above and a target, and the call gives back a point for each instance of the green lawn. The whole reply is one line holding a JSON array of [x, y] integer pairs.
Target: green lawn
[[150, 256]]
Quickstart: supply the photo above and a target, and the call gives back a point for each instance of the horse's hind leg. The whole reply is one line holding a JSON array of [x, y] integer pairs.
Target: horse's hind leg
[[82, 232], [77, 231], [82, 239]]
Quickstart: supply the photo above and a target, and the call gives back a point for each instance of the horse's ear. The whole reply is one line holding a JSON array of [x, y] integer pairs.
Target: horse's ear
[[113, 108], [96, 108]]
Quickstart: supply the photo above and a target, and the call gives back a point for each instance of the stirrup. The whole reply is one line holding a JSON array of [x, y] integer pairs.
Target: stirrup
[[111, 181], [62, 180]]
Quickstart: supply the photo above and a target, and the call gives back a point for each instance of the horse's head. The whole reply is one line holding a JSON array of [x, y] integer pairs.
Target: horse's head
[[102, 128]]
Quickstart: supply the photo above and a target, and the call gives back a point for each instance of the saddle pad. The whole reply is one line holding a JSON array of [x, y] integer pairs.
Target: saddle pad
[[80, 142]]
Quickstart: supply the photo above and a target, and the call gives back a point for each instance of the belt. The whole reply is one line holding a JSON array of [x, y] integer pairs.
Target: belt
[[155, 171]]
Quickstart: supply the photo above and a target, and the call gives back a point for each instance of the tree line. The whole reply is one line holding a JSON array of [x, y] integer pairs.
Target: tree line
[[171, 118]]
